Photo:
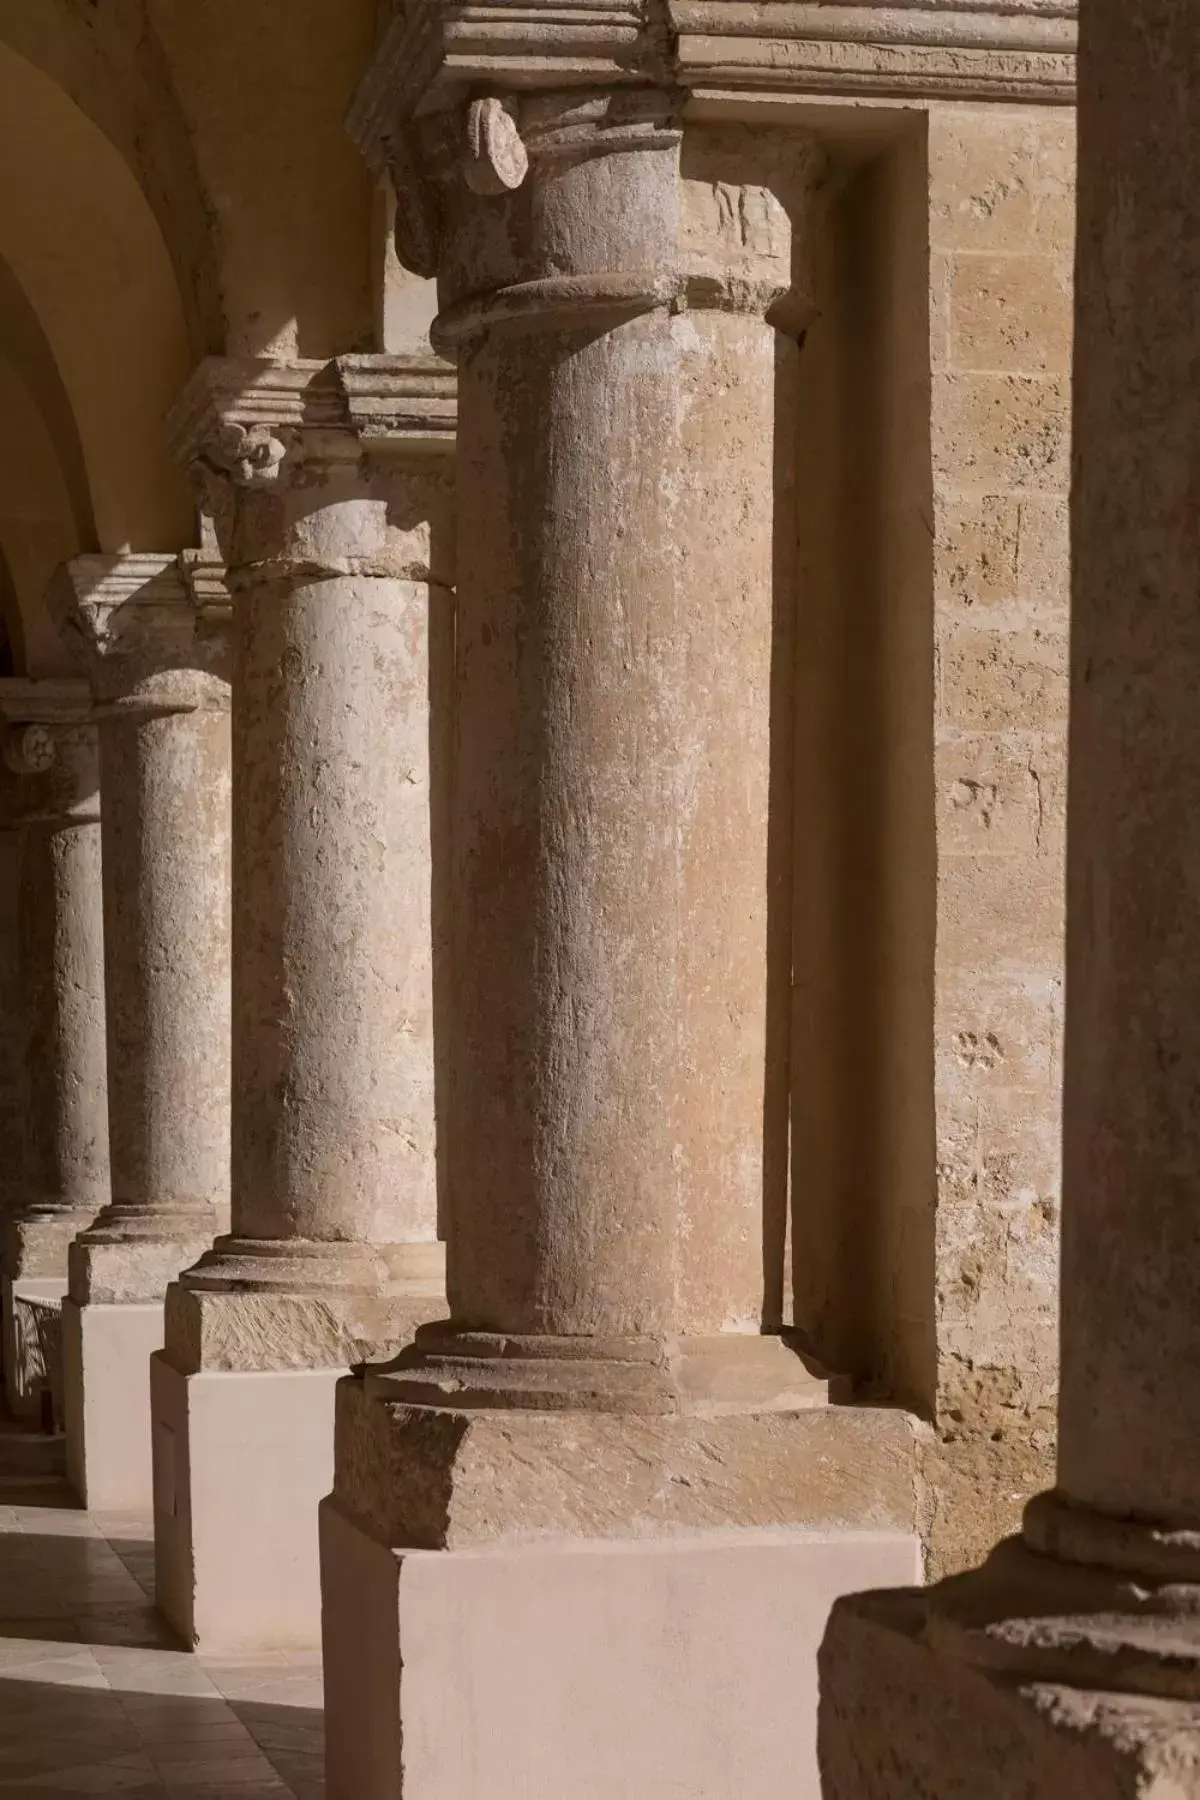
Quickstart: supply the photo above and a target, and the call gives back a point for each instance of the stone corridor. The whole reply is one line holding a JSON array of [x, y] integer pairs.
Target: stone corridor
[[96, 1694]]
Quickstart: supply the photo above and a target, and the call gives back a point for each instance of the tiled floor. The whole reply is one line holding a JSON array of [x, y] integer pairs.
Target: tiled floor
[[96, 1697]]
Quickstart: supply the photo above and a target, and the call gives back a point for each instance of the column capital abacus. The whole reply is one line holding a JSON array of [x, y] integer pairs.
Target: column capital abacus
[[282, 457], [152, 629], [257, 423], [38, 718]]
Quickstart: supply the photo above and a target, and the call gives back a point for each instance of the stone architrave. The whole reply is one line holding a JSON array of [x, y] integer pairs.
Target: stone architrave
[[1069, 1663], [330, 489], [51, 798], [162, 699]]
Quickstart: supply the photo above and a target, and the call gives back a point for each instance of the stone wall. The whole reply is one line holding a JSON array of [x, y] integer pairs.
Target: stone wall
[[1001, 255], [930, 797]]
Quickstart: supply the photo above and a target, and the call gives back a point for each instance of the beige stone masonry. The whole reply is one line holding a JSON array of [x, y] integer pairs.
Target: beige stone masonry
[[1001, 232], [328, 490]]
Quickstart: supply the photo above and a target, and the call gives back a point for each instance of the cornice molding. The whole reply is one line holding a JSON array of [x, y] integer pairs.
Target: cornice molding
[[964, 52], [436, 53], [142, 621], [241, 415]]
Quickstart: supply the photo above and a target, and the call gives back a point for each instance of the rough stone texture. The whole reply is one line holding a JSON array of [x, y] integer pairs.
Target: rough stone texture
[[931, 721], [63, 1086], [1131, 1254], [1077, 1669], [436, 1479], [162, 704], [330, 498], [248, 1330], [616, 632], [898, 1723], [1001, 252]]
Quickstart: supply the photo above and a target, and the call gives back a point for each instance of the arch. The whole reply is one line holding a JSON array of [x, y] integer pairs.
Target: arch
[[24, 342], [110, 62], [38, 528], [85, 250]]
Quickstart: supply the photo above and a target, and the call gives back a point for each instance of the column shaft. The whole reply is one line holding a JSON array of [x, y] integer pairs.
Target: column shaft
[[614, 655], [333, 1088], [62, 962], [333, 520], [166, 908]]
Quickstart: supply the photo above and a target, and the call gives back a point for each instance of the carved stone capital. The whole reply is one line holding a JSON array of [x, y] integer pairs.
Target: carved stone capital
[[732, 207], [295, 461], [255, 424], [141, 630], [48, 749]]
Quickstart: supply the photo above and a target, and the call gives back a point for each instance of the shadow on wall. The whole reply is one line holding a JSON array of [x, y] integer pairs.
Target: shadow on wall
[[862, 1077]]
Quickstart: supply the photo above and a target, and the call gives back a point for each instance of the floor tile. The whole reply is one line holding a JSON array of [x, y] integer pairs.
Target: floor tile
[[97, 1695]]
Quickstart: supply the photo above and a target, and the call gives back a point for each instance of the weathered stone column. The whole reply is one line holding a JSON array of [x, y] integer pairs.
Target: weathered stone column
[[52, 797], [163, 704], [625, 298], [615, 626], [329, 486], [1077, 1669]]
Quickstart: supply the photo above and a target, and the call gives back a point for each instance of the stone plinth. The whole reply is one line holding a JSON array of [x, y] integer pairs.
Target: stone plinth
[[329, 489], [51, 796], [161, 698], [636, 1562]]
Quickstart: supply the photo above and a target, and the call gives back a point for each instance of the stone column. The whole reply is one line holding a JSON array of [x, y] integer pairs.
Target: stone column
[[1077, 1669], [329, 486], [52, 798], [625, 298], [616, 576], [162, 701]]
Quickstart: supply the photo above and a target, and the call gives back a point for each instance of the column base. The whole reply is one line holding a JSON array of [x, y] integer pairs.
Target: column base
[[235, 1559], [106, 1392], [1028, 1676], [295, 1305], [701, 1554], [246, 1383]]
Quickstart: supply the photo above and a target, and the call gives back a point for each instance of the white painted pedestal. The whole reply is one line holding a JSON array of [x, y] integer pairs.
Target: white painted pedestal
[[241, 1463], [106, 1393], [585, 1670]]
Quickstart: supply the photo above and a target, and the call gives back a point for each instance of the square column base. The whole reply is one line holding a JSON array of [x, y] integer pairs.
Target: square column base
[[25, 1373], [106, 1394], [901, 1720], [241, 1461], [682, 1666]]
